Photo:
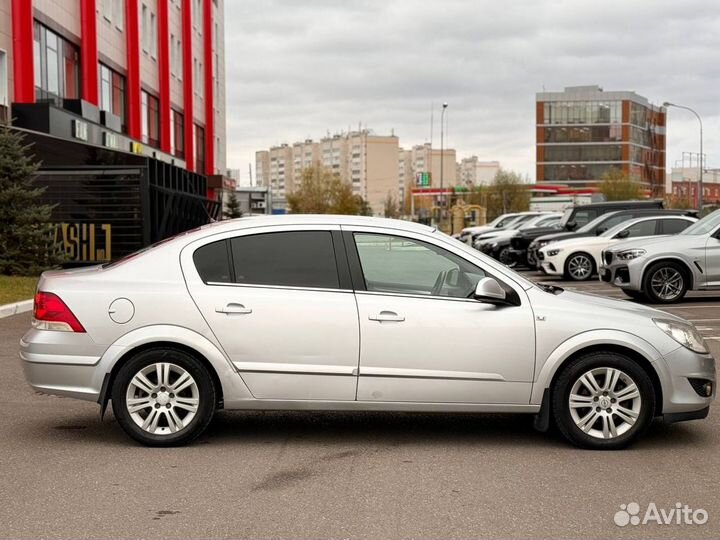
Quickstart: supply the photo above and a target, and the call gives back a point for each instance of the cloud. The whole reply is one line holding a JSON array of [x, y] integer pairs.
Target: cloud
[[298, 69]]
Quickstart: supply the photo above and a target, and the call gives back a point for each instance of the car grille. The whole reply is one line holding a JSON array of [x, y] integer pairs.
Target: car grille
[[541, 255], [608, 257]]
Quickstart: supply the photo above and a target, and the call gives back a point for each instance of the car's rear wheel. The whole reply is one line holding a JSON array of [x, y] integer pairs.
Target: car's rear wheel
[[603, 401], [579, 266], [635, 295], [163, 397], [665, 283]]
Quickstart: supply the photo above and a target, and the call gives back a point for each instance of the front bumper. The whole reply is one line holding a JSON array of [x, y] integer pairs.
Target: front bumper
[[550, 265], [624, 274], [62, 363], [681, 400]]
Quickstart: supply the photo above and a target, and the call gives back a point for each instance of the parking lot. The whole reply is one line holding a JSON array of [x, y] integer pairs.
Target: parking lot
[[66, 473]]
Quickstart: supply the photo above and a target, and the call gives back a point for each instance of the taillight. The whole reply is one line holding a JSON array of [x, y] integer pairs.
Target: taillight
[[51, 313]]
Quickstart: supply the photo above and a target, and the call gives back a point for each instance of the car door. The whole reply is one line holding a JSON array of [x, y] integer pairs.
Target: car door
[[712, 259], [422, 338], [282, 310]]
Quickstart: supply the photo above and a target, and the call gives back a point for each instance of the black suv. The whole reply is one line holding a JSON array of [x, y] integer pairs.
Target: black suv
[[601, 224], [573, 219]]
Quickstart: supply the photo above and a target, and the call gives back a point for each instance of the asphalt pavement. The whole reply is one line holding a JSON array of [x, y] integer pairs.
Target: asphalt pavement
[[65, 473]]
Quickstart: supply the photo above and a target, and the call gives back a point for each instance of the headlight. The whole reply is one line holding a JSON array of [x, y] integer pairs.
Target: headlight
[[553, 252], [630, 254], [492, 245], [684, 333]]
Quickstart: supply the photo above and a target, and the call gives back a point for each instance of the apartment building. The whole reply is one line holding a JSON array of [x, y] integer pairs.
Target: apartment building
[[425, 159], [583, 132], [120, 93], [366, 161], [473, 172]]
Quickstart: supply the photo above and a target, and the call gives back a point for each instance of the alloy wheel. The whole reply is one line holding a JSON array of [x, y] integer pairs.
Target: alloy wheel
[[580, 267], [605, 402], [667, 283], [162, 398]]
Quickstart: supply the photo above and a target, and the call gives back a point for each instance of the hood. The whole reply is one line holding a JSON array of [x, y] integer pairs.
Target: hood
[[563, 236], [536, 232], [502, 233], [640, 242], [579, 241], [595, 301]]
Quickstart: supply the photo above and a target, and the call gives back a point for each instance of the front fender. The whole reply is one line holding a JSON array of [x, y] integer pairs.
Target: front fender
[[585, 340], [233, 386]]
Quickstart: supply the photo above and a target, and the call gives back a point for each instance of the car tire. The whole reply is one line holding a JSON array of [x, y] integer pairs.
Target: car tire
[[671, 273], [580, 266], [504, 256], [635, 295], [620, 411], [163, 397]]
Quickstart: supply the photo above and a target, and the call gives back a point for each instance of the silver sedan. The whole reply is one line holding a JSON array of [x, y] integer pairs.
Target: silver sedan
[[352, 313]]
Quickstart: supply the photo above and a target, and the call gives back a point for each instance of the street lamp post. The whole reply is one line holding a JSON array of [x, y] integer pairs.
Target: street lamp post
[[702, 158], [442, 159]]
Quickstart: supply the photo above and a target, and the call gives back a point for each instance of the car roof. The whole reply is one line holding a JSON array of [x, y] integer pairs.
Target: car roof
[[312, 219], [624, 204]]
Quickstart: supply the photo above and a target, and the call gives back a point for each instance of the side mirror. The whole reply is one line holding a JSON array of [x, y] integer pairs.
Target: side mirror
[[571, 225], [489, 290], [623, 234]]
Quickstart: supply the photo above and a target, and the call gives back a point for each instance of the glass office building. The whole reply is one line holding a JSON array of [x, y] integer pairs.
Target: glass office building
[[585, 132]]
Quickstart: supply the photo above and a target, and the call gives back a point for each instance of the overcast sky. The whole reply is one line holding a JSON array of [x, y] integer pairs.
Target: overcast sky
[[297, 69]]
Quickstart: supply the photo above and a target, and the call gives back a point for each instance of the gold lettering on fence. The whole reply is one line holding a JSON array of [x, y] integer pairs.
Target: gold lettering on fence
[[85, 242]]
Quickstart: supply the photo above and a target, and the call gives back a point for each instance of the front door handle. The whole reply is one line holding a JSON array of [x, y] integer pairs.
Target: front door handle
[[232, 309], [387, 316]]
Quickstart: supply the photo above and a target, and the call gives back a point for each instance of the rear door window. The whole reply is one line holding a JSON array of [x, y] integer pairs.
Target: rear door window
[[674, 226], [293, 259]]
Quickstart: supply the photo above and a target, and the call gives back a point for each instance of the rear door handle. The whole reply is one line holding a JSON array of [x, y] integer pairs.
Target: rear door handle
[[232, 309], [387, 316]]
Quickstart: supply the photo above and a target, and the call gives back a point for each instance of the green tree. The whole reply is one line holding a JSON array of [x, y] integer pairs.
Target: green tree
[[322, 192], [232, 208], [508, 193], [27, 237], [618, 186]]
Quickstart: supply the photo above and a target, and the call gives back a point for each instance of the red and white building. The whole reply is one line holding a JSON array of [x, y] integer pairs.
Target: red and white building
[[156, 65]]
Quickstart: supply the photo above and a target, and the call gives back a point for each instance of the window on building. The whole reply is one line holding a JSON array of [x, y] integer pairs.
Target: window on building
[[199, 149], [57, 65], [112, 93], [4, 98], [178, 134], [153, 35], [150, 119], [145, 28], [119, 13]]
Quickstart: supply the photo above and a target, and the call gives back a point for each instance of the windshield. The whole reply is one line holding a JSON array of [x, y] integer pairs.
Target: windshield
[[566, 216], [705, 226], [594, 223], [503, 221], [538, 221]]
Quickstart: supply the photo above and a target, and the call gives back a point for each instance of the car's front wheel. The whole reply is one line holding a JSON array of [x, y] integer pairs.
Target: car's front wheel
[[579, 267], [163, 397], [603, 401], [665, 283], [504, 256]]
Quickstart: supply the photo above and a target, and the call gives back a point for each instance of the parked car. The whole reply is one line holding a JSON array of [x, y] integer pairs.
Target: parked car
[[662, 270], [353, 313], [573, 219], [513, 224], [580, 258], [598, 226], [497, 223], [497, 244]]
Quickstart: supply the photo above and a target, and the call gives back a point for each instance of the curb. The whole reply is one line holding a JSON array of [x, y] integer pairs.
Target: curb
[[8, 310]]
